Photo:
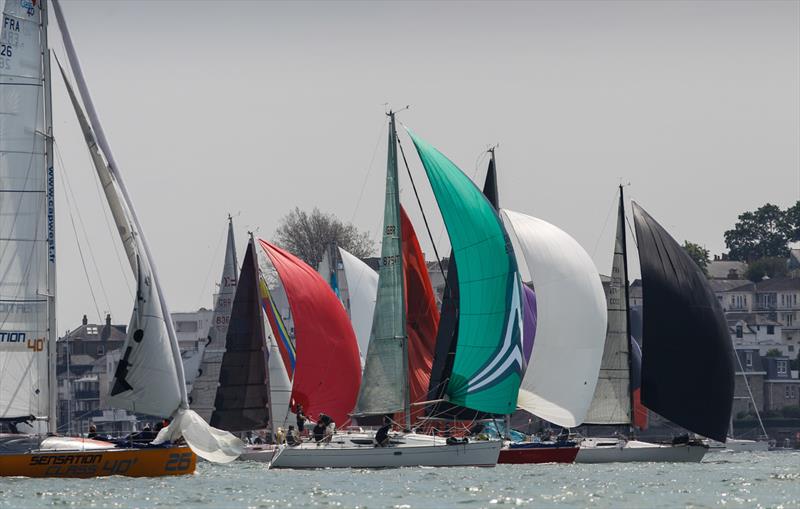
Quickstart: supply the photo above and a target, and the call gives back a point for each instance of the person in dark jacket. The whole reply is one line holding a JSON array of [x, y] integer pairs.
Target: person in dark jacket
[[382, 436], [301, 419]]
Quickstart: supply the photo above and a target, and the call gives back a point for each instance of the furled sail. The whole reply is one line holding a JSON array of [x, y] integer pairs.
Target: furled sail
[[362, 290], [26, 216], [204, 389], [149, 378], [687, 374], [327, 372], [242, 398], [422, 317], [488, 364], [571, 323], [385, 386], [612, 396]]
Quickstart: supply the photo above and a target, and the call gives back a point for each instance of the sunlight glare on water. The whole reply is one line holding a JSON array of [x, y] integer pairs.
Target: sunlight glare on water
[[721, 480]]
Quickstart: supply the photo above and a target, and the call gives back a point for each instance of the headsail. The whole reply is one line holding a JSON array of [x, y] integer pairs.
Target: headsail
[[385, 387], [422, 317], [328, 371], [26, 219], [488, 363], [204, 389], [362, 290], [682, 315], [242, 399], [612, 396], [571, 322]]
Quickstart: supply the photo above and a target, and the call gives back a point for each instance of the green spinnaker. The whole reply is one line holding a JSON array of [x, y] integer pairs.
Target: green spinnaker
[[487, 369]]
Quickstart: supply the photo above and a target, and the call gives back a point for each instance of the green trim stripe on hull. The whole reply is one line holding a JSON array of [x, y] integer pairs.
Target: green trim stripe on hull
[[487, 369]]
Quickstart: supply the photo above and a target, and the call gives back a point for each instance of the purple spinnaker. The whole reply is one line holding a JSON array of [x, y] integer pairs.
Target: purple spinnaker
[[529, 323]]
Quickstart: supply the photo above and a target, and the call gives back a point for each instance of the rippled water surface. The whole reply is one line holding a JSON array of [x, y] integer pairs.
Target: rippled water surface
[[721, 480]]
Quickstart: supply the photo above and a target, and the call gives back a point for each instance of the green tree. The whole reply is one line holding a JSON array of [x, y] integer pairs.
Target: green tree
[[770, 267], [697, 253], [762, 233], [307, 235], [773, 352], [793, 222]]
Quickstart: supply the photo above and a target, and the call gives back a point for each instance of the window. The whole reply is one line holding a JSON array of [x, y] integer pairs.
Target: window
[[770, 330], [791, 348], [100, 350], [789, 319], [91, 330], [748, 359], [781, 367], [787, 392], [739, 331]]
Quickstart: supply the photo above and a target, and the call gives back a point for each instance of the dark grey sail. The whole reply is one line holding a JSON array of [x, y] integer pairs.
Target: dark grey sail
[[242, 401], [687, 373]]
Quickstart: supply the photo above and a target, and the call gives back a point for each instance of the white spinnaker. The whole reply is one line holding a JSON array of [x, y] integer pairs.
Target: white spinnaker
[[362, 288], [571, 324], [204, 387], [280, 386], [150, 373], [24, 346]]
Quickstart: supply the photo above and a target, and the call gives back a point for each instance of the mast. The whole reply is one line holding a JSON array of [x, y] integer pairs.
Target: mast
[[627, 305], [404, 338], [262, 330], [52, 334]]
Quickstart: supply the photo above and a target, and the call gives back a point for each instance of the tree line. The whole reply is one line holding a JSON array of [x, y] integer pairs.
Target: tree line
[[760, 238]]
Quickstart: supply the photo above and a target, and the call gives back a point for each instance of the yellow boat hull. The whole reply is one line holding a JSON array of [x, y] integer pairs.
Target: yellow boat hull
[[153, 462]]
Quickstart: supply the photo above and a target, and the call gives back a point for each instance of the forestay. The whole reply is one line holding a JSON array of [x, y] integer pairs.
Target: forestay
[[488, 364], [26, 216], [362, 289], [571, 321]]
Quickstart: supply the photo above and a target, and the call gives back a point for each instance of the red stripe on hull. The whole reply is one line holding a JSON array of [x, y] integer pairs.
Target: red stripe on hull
[[538, 455]]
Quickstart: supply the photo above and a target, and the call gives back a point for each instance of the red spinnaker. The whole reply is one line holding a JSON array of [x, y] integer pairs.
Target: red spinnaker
[[422, 317], [327, 371]]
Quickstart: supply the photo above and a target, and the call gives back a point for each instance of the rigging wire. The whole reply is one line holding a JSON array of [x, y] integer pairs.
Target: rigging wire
[[419, 202], [605, 224], [68, 189], [211, 266], [80, 251], [369, 171]]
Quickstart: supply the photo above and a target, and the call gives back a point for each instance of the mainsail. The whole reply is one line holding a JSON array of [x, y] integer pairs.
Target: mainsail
[[488, 363], [612, 396], [687, 373], [27, 223], [149, 378], [242, 399], [204, 389], [362, 290], [385, 386], [327, 372], [571, 321]]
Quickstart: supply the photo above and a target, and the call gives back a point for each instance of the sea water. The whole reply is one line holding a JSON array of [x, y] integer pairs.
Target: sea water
[[723, 479]]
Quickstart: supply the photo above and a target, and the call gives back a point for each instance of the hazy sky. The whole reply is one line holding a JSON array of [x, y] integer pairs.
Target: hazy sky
[[256, 107]]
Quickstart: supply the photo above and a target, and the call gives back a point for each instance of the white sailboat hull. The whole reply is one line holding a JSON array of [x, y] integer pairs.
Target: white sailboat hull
[[614, 450], [410, 450], [738, 445]]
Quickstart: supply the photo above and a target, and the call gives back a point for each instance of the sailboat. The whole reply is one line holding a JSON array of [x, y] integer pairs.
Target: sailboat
[[487, 363], [204, 388], [149, 378], [686, 371]]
